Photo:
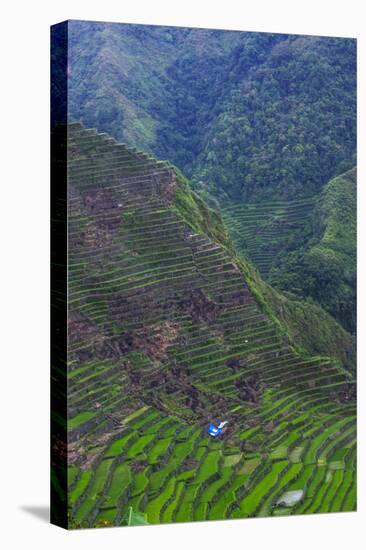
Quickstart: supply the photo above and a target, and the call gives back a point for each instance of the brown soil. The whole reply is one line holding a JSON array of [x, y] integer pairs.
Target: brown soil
[[138, 466], [170, 189], [200, 306], [155, 339], [249, 389], [81, 328], [189, 464]]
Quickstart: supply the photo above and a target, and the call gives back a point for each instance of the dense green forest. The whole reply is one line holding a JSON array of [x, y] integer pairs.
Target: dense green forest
[[242, 114], [305, 247], [251, 118], [289, 126], [325, 267]]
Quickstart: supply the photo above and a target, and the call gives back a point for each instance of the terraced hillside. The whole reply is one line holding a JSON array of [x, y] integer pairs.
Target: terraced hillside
[[263, 230], [164, 337], [306, 247]]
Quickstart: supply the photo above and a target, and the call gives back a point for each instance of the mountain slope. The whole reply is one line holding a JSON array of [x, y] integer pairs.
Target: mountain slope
[[244, 114], [167, 331], [306, 247], [268, 230], [323, 266], [288, 126], [304, 323]]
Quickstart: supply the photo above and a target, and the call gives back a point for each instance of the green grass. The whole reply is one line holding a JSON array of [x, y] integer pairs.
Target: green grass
[[117, 446], [138, 447], [250, 503], [154, 507], [121, 479], [95, 491], [159, 449], [80, 419], [80, 487]]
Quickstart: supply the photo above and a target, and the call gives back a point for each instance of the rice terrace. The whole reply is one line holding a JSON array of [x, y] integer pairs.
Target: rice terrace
[[209, 375]]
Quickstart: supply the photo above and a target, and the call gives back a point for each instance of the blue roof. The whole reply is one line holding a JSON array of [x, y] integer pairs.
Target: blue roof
[[213, 430]]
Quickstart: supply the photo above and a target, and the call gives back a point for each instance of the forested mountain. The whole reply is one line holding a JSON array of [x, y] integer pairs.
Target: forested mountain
[[252, 119], [306, 246], [244, 114], [289, 126], [325, 267]]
